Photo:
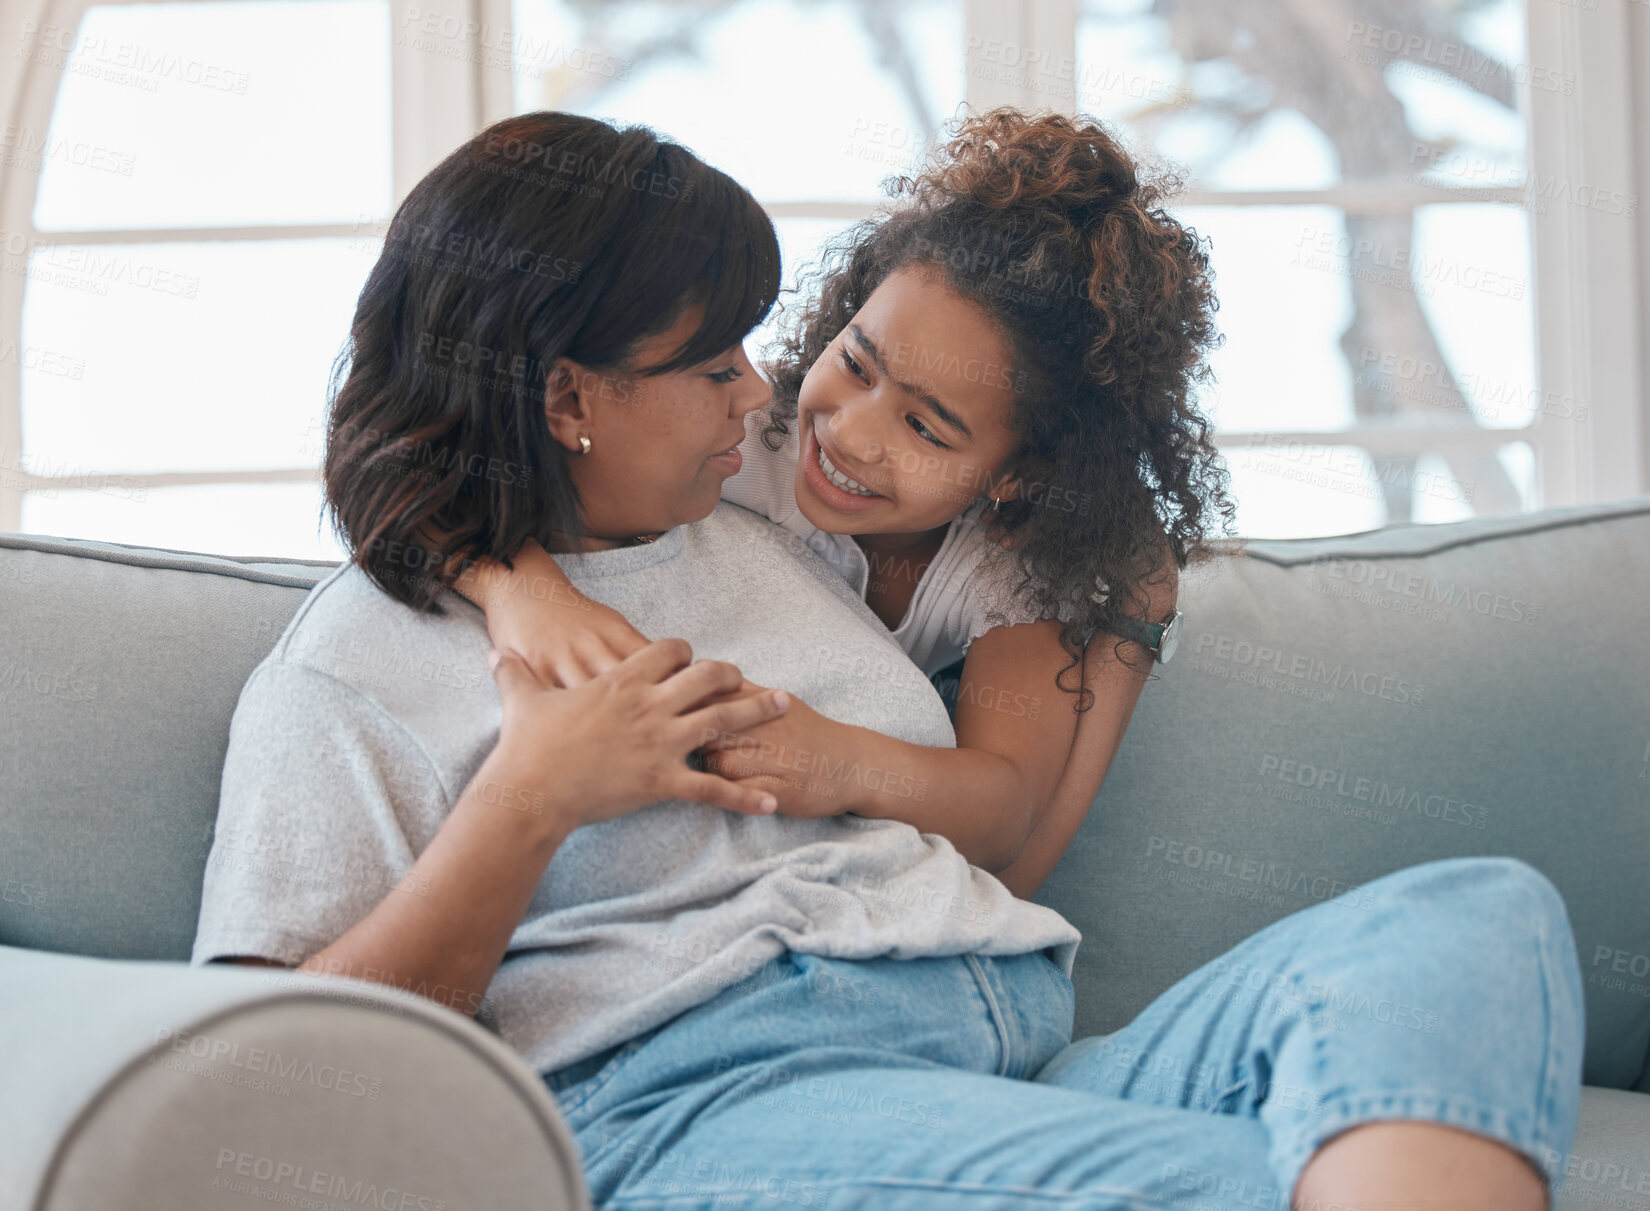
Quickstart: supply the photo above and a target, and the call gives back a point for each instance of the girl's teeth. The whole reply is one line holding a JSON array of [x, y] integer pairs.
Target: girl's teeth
[[841, 480]]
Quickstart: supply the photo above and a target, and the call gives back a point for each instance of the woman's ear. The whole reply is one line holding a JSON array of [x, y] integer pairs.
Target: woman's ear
[[567, 409]]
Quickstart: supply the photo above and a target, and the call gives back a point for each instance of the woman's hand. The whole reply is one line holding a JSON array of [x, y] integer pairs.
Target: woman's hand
[[620, 740], [807, 760]]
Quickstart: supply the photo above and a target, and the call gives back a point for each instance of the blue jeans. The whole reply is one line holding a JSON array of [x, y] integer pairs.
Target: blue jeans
[[1447, 992]]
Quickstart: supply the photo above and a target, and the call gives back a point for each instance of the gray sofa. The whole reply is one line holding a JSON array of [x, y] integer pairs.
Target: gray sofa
[[1339, 708]]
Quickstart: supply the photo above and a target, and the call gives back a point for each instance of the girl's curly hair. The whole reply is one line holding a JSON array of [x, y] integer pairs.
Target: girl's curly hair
[[1107, 304]]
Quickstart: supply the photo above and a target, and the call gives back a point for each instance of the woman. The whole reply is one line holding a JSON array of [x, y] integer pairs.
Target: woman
[[702, 981]]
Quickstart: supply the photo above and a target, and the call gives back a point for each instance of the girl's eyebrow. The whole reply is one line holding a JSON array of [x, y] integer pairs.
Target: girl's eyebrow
[[940, 410]]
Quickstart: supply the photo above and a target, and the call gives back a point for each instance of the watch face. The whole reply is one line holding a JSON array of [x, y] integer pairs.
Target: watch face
[[1171, 638]]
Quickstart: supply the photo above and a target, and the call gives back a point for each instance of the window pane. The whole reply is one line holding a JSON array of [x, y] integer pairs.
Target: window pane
[[221, 519], [1471, 269], [1300, 489], [184, 357], [1277, 96], [1282, 312], [794, 100], [215, 114], [800, 243]]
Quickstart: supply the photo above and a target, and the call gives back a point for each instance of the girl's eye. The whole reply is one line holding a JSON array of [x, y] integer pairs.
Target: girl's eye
[[924, 433], [725, 376], [853, 366]]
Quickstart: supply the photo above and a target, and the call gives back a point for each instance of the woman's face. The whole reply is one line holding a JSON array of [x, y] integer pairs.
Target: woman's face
[[904, 420], [660, 446]]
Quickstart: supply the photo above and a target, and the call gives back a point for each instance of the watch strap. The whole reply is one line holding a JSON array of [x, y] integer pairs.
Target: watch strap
[[1148, 635]]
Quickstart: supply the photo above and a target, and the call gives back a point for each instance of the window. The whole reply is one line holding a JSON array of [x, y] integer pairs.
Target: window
[[1426, 222], [190, 198]]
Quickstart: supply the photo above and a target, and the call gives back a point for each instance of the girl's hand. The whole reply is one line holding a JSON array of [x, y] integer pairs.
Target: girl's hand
[[802, 757], [535, 611], [568, 644], [620, 740]]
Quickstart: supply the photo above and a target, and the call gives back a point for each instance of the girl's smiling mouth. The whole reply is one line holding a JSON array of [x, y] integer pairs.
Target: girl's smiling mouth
[[832, 486]]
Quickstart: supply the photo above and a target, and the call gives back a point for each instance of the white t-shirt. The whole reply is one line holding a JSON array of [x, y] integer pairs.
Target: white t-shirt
[[961, 593]]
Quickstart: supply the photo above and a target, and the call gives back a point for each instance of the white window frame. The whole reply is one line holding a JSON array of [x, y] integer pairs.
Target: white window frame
[[436, 104], [1592, 269]]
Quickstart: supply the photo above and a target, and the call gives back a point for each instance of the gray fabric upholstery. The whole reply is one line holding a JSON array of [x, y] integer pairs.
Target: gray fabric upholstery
[[119, 671], [1407, 662], [1538, 729], [1609, 1165], [144, 1084]]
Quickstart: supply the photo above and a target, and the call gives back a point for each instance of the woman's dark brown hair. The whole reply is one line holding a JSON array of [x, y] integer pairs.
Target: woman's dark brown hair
[[547, 235], [1107, 306]]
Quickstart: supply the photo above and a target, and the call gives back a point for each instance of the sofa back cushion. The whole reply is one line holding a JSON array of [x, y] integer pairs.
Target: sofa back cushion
[[120, 668], [1342, 707], [1339, 708]]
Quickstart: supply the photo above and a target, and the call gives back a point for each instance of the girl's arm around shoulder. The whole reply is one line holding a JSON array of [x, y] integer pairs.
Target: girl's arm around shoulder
[[535, 611], [983, 796], [1116, 686]]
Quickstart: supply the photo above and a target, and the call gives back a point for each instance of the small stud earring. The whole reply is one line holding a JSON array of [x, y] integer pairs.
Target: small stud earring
[[584, 444], [996, 505]]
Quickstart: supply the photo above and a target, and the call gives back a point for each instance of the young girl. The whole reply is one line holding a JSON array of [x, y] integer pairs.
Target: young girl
[[985, 425]]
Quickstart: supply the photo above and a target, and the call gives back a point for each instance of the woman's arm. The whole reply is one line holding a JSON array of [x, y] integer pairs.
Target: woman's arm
[[578, 757]]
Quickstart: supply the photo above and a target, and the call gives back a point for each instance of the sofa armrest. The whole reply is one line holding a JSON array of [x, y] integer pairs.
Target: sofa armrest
[[156, 1084]]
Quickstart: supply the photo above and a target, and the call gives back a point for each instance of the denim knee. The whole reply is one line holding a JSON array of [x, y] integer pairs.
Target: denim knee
[[1493, 878], [1540, 902]]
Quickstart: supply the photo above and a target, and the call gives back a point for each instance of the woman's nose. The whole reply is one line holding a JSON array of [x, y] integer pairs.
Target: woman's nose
[[753, 392]]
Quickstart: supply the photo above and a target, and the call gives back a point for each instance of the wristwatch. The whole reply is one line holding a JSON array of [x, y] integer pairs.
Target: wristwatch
[[1158, 638]]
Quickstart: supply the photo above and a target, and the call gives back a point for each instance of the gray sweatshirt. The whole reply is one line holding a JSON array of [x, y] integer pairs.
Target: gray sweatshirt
[[355, 736]]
